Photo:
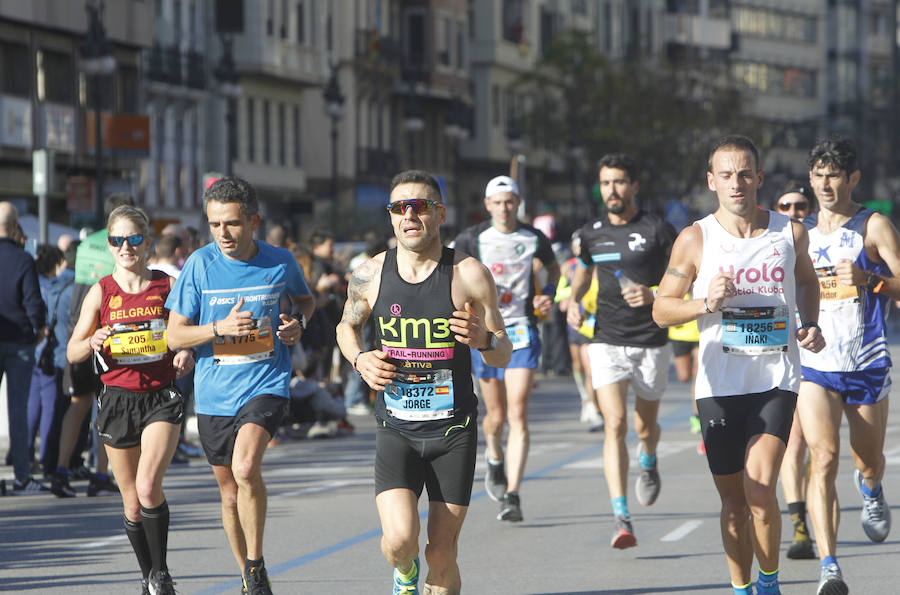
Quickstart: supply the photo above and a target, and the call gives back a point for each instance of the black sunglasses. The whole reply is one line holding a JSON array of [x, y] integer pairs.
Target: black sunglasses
[[418, 205], [117, 241], [784, 206]]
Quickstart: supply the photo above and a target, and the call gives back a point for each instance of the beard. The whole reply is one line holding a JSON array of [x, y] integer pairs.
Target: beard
[[616, 208]]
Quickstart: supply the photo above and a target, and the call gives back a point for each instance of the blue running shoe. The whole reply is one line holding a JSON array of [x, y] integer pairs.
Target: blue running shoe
[[410, 587]]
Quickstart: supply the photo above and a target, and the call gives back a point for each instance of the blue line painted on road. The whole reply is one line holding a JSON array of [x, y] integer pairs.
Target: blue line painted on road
[[673, 417]]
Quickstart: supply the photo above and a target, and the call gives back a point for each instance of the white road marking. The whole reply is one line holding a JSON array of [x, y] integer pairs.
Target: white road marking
[[92, 545], [681, 531]]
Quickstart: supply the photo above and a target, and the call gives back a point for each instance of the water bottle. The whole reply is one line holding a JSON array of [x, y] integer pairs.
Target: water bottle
[[624, 282]]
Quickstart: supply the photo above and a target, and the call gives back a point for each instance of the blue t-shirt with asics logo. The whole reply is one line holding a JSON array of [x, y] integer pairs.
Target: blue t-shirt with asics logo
[[232, 370]]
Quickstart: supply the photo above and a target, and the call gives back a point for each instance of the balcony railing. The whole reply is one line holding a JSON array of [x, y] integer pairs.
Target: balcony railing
[[172, 66]]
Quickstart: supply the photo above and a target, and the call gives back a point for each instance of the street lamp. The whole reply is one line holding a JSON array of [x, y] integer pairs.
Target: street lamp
[[334, 108], [227, 75], [413, 122], [97, 61]]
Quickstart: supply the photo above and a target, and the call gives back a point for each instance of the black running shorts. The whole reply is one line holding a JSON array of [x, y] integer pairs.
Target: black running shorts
[[218, 432], [123, 414], [445, 465], [728, 424]]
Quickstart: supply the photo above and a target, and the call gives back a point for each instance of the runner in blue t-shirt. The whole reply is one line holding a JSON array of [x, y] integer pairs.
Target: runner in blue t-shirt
[[239, 303]]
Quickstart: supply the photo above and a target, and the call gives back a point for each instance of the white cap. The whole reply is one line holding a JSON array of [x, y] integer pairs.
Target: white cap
[[501, 184]]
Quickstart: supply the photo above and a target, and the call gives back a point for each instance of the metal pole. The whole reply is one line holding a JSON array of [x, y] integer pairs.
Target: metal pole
[[98, 156], [334, 163], [229, 125]]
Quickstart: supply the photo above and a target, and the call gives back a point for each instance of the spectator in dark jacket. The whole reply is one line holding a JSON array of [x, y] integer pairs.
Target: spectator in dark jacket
[[23, 321]]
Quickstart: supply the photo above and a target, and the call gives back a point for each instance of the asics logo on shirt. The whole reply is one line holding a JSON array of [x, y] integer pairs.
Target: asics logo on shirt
[[219, 301]]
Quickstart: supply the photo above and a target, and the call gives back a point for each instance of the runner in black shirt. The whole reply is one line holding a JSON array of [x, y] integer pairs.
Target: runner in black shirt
[[629, 249], [429, 305]]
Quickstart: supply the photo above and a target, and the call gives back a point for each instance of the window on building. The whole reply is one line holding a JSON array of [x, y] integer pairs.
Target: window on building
[[56, 80], [297, 154], [442, 40], [461, 45], [579, 7], [128, 89], [251, 130], [267, 133], [471, 20], [285, 19], [513, 20], [270, 18], [282, 132], [607, 27], [15, 75], [176, 20], [770, 23], [776, 80], [548, 21], [414, 41], [301, 24], [495, 105]]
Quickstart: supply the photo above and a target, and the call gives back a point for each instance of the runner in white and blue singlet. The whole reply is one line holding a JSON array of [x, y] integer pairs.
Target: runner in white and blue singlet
[[856, 253]]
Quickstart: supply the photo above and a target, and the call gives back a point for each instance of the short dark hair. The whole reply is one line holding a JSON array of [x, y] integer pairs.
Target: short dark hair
[[839, 153], [417, 176], [47, 257], [114, 201], [70, 253], [733, 141], [621, 161], [167, 245], [231, 189], [320, 236]]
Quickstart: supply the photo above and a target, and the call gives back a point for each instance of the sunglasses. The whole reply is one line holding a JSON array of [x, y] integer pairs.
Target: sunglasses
[[418, 206], [785, 206], [117, 241]]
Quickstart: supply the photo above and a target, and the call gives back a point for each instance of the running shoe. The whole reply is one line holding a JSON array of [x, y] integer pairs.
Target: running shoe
[[623, 536], [648, 485], [410, 587], [831, 581], [257, 581], [80, 472], [495, 480], [29, 487], [701, 448], [102, 487], [876, 514], [695, 424], [161, 583], [60, 487], [145, 586], [510, 508], [801, 547]]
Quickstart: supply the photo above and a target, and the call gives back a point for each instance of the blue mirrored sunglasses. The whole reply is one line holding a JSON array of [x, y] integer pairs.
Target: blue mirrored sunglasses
[[117, 241], [418, 205]]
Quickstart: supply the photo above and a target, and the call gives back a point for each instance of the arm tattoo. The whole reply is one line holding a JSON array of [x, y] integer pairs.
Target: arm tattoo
[[357, 309], [675, 273]]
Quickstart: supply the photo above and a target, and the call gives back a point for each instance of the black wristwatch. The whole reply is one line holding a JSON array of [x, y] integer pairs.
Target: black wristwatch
[[811, 325], [492, 342]]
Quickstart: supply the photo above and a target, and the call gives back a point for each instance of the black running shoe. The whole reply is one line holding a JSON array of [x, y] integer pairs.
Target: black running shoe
[[61, 488], [80, 473], [257, 581], [161, 583], [145, 586], [102, 487], [510, 508]]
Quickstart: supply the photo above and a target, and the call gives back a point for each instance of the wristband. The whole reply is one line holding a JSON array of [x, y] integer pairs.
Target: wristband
[[874, 283], [706, 306], [811, 325], [302, 319], [549, 290], [215, 329], [356, 359]]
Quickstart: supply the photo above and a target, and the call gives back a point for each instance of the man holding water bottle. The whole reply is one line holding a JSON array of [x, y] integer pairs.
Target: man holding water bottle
[[629, 248]]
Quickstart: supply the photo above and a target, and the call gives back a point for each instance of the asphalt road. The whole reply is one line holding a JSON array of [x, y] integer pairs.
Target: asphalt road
[[322, 533]]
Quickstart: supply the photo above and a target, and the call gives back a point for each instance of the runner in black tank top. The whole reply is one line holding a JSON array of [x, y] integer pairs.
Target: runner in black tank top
[[429, 305], [433, 387]]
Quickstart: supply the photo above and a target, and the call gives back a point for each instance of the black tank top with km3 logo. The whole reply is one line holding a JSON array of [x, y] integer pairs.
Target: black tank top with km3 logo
[[432, 390]]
